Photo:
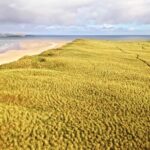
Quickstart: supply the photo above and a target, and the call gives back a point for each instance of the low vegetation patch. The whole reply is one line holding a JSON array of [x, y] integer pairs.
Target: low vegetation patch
[[89, 94]]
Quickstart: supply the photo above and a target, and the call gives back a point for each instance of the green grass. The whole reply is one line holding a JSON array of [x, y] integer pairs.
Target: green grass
[[88, 94]]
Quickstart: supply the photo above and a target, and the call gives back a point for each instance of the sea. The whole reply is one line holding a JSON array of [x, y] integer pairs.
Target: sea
[[8, 43]]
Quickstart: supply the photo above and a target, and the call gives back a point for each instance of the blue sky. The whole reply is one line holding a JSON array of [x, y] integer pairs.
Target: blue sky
[[75, 17]]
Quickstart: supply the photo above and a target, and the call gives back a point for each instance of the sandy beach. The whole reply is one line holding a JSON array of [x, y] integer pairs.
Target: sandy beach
[[29, 48]]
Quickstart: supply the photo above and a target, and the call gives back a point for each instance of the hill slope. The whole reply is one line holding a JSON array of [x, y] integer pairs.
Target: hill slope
[[88, 94]]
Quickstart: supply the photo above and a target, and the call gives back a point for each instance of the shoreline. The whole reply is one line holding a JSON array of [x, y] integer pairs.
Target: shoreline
[[29, 49]]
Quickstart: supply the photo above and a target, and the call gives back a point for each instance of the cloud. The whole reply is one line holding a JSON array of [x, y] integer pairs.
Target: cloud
[[71, 12], [87, 14]]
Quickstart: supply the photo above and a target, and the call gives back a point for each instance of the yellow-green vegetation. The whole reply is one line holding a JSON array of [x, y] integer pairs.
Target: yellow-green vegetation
[[87, 95]]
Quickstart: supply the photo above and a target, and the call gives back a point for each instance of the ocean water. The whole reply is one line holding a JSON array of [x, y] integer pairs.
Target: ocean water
[[10, 43], [6, 45]]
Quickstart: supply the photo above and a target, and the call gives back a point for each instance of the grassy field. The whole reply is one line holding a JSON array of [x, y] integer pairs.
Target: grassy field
[[87, 95]]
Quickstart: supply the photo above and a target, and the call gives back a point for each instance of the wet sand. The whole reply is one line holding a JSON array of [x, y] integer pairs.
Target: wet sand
[[29, 48]]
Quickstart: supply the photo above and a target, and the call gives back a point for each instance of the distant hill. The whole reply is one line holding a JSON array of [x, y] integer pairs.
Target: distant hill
[[11, 35]]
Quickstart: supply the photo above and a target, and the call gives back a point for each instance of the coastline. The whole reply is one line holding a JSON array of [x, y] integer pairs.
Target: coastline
[[29, 49]]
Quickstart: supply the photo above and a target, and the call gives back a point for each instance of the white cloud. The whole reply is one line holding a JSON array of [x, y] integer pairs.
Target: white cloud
[[74, 14]]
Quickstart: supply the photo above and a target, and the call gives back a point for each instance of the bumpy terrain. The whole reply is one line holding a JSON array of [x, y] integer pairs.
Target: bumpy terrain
[[87, 95]]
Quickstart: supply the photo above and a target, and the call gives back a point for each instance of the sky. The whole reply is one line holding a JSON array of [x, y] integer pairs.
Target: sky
[[75, 17]]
